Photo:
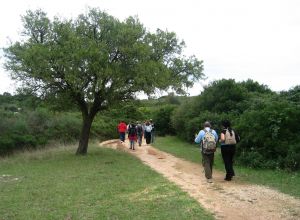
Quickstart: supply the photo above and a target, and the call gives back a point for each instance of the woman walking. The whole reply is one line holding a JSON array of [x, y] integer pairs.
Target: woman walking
[[132, 135], [229, 139]]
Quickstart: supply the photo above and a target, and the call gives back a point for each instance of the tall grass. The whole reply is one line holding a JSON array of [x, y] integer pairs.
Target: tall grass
[[105, 184]]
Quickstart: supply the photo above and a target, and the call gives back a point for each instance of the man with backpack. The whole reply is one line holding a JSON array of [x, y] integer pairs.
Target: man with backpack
[[140, 132], [207, 138], [132, 135]]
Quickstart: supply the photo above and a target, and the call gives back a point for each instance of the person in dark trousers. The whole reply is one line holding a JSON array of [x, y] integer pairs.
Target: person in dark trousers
[[148, 129], [132, 135], [207, 157], [152, 131], [140, 132], [122, 127], [229, 139]]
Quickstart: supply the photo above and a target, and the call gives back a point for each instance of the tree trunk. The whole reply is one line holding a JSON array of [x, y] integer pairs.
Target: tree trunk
[[84, 136]]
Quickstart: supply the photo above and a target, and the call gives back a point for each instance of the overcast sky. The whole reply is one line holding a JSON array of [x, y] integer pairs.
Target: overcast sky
[[239, 39]]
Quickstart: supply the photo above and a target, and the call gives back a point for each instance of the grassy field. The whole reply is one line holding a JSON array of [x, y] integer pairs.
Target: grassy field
[[105, 184], [283, 181]]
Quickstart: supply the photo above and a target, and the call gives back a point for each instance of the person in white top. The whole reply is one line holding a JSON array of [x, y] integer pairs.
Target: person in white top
[[148, 129]]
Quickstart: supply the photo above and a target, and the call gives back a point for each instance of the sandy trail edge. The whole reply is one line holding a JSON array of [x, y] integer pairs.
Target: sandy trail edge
[[225, 200]]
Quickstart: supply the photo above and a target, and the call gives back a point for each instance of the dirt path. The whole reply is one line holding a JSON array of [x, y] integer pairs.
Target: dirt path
[[226, 200]]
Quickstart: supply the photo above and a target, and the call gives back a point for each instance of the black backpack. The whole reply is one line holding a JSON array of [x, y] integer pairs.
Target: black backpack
[[132, 130]]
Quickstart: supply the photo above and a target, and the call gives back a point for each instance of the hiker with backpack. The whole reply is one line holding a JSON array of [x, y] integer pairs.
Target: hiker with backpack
[[132, 135], [207, 138], [140, 132], [229, 139], [122, 127]]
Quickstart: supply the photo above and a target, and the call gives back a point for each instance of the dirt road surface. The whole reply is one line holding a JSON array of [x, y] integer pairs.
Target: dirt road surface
[[225, 200]]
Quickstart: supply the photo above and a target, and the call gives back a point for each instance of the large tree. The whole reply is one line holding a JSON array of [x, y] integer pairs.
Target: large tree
[[97, 60]]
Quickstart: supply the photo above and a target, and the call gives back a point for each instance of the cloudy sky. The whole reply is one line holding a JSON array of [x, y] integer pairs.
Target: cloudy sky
[[239, 39]]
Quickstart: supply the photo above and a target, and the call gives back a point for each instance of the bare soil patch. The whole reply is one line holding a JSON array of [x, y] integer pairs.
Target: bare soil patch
[[225, 200]]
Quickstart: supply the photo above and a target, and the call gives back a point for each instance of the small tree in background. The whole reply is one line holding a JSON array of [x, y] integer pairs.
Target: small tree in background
[[97, 60]]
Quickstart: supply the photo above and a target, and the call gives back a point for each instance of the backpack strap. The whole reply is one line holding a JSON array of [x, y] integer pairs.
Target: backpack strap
[[201, 143]]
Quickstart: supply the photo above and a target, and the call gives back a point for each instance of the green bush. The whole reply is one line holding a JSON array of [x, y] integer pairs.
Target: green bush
[[272, 132], [36, 128], [162, 120], [251, 159], [6, 144], [292, 160], [105, 127], [267, 122], [64, 126]]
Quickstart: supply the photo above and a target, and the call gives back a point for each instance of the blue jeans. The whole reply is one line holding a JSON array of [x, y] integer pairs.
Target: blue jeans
[[132, 144], [122, 136]]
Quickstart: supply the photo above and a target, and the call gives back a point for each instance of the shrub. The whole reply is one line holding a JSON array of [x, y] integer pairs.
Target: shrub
[[64, 126], [162, 120], [271, 131], [36, 128], [251, 159]]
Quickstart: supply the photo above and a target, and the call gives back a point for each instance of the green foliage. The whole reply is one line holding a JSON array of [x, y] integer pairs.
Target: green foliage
[[222, 96], [251, 159], [96, 61], [252, 86], [267, 122], [15, 133], [6, 98], [19, 102], [271, 131], [104, 127], [170, 99], [222, 99], [186, 111], [162, 120], [64, 127], [293, 94], [32, 129]]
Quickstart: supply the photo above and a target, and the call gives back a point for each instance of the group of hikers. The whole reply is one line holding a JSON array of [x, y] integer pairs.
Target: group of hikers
[[136, 132], [208, 138]]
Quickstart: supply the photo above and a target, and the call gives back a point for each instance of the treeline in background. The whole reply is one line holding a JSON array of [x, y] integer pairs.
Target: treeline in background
[[267, 121]]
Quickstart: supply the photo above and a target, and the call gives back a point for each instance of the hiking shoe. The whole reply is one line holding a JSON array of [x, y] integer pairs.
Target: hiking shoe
[[209, 180]]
